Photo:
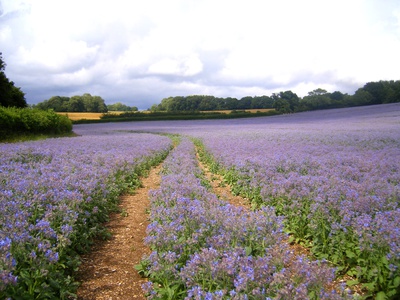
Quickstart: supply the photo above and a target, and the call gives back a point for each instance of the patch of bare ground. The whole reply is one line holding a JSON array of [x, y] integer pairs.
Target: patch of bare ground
[[220, 189], [108, 272]]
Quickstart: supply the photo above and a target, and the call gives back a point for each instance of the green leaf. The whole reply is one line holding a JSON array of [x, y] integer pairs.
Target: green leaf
[[352, 282], [141, 268], [381, 296], [335, 258], [370, 286], [350, 254], [340, 268], [352, 272], [384, 260], [249, 250], [396, 282]]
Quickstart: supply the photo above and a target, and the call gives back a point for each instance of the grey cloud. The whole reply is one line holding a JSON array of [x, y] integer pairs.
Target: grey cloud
[[116, 55]]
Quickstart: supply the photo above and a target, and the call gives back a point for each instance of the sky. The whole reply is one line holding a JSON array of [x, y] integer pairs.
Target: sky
[[138, 52]]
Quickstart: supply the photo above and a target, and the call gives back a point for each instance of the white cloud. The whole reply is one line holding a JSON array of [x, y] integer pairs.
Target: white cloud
[[154, 49], [188, 66], [57, 56]]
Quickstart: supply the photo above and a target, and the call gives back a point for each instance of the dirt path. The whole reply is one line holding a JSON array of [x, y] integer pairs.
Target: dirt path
[[222, 190], [107, 272]]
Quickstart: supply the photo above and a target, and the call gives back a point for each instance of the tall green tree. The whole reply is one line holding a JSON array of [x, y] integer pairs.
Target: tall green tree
[[10, 95], [361, 97], [75, 104], [208, 103], [282, 106], [230, 103], [93, 103], [121, 107], [84, 103], [316, 99], [286, 102], [318, 92], [383, 91], [245, 102], [56, 103], [261, 102]]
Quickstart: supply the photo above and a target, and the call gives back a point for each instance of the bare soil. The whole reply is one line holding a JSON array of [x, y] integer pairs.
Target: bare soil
[[107, 272], [222, 190]]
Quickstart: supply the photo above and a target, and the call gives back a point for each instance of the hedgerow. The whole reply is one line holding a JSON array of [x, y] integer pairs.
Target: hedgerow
[[14, 121]]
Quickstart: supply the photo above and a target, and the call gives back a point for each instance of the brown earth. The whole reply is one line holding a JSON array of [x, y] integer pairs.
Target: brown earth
[[222, 190], [107, 272]]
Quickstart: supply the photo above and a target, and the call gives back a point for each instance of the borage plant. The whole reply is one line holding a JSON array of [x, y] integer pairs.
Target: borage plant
[[204, 248], [54, 195]]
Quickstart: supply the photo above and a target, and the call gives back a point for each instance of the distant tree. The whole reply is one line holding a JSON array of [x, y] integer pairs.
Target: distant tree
[[285, 102], [230, 103], [360, 97], [75, 104], [337, 96], [316, 99], [188, 103], [165, 104], [383, 91], [394, 94], [179, 104], [208, 103], [378, 91], [292, 98], [93, 103], [282, 106], [84, 103], [337, 99], [155, 107], [10, 95], [317, 92], [245, 102], [121, 107], [261, 102], [56, 103]]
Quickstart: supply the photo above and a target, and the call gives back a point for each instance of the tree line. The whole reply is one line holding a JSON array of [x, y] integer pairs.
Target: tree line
[[19, 121], [287, 101], [210, 103], [84, 103]]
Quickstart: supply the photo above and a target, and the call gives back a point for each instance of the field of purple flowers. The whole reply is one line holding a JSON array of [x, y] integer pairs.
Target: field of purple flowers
[[54, 195], [333, 176], [204, 248], [327, 179], [335, 180]]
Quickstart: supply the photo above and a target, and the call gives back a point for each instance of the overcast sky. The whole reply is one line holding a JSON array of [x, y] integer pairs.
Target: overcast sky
[[141, 51]]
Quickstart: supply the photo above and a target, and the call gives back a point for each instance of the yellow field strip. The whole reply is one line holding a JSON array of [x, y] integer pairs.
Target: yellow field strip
[[96, 116]]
